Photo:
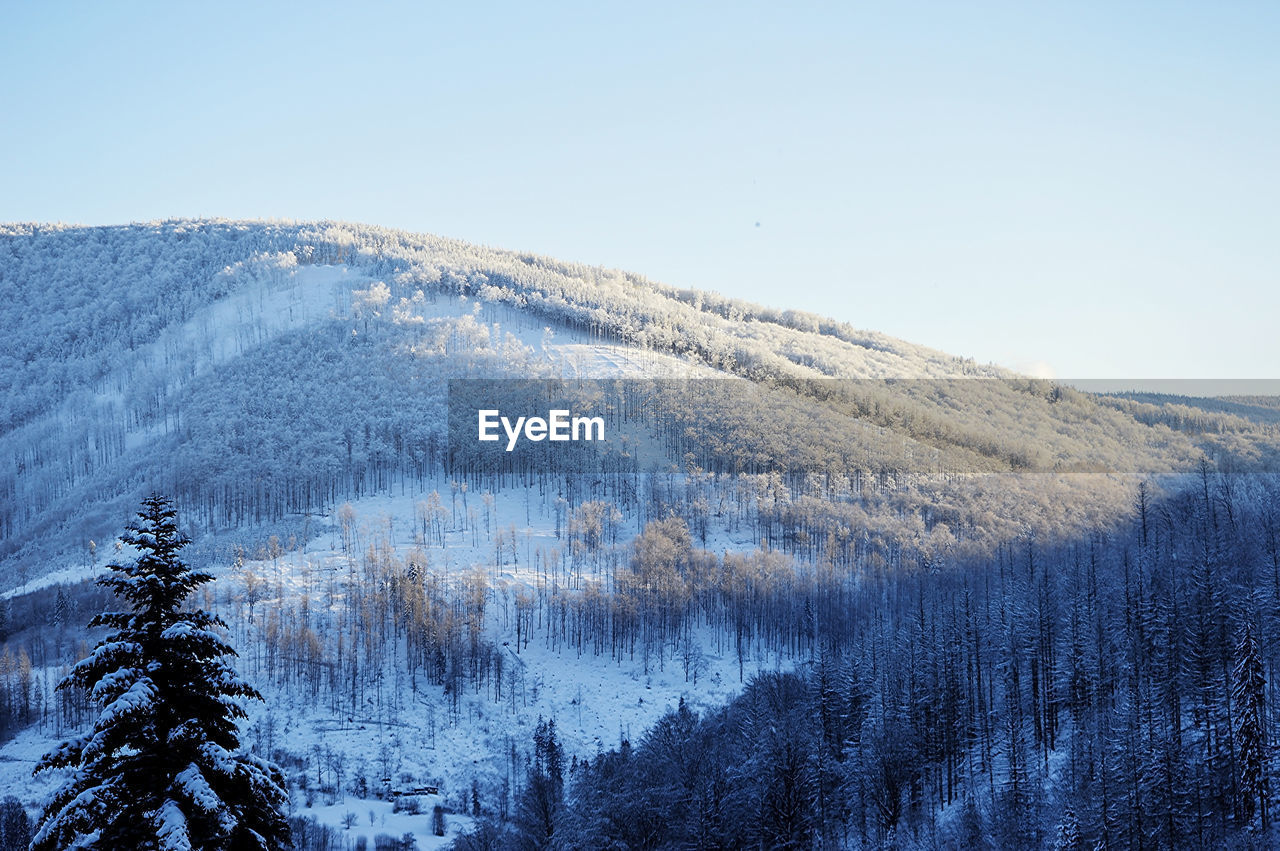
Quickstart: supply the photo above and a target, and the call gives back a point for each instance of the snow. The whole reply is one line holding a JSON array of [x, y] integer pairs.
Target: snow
[[262, 310], [72, 811], [599, 360], [114, 681], [171, 827], [111, 650], [64, 750], [66, 575], [137, 699], [595, 700], [217, 758], [18, 759], [185, 631], [371, 818], [191, 781]]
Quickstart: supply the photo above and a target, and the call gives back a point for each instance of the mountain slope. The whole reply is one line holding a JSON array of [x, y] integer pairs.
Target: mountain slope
[[258, 370], [816, 490]]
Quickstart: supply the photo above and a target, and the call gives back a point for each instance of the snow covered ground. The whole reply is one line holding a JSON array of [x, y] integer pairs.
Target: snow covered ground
[[410, 732], [368, 818], [595, 701]]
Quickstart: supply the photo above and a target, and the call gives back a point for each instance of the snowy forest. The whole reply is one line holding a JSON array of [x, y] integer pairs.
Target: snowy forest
[[869, 596]]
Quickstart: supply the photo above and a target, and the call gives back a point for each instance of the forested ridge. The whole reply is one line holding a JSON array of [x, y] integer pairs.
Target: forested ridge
[[261, 370], [859, 593]]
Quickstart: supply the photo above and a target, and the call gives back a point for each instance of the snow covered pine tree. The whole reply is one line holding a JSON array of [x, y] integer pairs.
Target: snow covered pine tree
[[161, 768], [1249, 696]]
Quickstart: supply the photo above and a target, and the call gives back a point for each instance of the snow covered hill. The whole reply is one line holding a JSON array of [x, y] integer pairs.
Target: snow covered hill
[[409, 624], [262, 370], [125, 338]]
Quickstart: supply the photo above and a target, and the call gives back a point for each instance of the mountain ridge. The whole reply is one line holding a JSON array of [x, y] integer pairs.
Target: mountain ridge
[[283, 365]]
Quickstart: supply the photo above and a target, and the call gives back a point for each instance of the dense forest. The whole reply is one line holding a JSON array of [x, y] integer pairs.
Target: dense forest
[[1117, 691], [1118, 688]]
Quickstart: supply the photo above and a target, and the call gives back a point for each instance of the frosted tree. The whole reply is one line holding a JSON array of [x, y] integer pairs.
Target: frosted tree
[[15, 827], [161, 767], [1248, 695], [1068, 833], [541, 804]]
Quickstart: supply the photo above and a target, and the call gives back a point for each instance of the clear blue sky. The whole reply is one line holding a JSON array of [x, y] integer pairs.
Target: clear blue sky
[[1089, 185]]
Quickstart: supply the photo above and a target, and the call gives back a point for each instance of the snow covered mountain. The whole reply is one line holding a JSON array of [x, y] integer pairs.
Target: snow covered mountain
[[410, 625], [259, 370], [194, 351]]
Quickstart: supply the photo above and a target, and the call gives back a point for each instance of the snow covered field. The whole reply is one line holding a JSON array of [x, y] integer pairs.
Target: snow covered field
[[409, 733]]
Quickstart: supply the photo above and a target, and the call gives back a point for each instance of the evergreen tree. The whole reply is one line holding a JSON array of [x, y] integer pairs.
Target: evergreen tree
[[541, 803], [1068, 833], [15, 827], [1248, 694], [161, 767], [61, 609]]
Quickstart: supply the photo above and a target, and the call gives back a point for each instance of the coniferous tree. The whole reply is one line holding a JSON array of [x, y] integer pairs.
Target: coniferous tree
[[1248, 693], [1068, 833], [542, 802], [161, 767], [15, 827]]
